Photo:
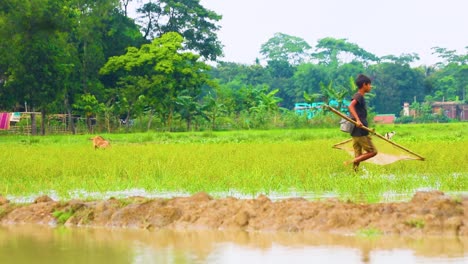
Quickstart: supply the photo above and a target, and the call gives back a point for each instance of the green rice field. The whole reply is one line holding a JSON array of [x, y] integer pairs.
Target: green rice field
[[235, 163]]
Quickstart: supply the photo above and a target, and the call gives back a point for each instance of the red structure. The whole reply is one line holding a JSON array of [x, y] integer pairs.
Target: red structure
[[453, 110], [384, 119]]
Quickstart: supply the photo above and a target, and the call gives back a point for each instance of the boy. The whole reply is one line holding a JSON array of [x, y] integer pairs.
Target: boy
[[358, 110]]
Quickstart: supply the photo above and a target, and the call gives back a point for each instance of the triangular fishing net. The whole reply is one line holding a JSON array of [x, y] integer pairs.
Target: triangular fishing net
[[387, 151]]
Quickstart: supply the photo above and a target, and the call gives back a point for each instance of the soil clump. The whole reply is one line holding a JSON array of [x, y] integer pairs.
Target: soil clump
[[427, 213]]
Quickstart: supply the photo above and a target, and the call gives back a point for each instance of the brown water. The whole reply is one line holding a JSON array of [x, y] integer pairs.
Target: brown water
[[33, 244]]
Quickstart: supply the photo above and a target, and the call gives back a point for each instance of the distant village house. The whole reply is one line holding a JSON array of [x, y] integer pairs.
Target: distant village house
[[453, 110]]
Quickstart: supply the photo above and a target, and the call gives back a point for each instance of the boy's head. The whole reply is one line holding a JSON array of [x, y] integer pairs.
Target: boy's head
[[361, 80]]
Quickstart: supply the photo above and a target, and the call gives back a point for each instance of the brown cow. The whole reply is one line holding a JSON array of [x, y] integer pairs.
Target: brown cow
[[100, 142]]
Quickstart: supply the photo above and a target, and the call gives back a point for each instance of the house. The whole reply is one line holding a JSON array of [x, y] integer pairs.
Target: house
[[384, 119], [453, 110]]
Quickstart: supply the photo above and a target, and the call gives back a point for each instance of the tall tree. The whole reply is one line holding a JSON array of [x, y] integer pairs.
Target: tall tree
[[100, 31], [164, 69], [37, 34], [281, 73], [283, 47], [188, 18], [454, 67], [307, 79], [402, 59], [395, 84], [332, 52]]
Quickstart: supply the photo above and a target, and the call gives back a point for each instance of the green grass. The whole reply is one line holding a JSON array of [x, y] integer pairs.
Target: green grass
[[246, 162], [369, 233], [62, 216]]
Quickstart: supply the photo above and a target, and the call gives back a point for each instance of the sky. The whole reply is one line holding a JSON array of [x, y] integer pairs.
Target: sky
[[381, 27]]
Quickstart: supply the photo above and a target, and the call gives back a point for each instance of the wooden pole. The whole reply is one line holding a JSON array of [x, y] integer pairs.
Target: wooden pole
[[372, 131]]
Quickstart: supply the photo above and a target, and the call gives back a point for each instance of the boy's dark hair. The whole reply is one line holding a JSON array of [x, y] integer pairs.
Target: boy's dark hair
[[362, 79]]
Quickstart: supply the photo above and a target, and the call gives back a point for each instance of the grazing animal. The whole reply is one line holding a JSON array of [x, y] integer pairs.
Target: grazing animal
[[389, 135], [100, 142]]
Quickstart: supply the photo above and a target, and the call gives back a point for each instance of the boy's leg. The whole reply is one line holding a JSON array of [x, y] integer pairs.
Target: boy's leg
[[357, 152], [360, 143], [366, 143]]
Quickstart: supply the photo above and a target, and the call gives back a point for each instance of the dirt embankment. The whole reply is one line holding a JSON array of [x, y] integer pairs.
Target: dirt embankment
[[428, 213]]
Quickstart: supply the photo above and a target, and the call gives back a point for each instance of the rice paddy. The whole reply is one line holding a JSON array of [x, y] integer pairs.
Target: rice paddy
[[238, 163]]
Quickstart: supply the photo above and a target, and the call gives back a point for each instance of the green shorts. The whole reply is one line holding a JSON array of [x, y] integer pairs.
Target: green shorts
[[363, 143]]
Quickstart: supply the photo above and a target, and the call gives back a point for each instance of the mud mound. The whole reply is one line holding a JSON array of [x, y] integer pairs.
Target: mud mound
[[428, 213]]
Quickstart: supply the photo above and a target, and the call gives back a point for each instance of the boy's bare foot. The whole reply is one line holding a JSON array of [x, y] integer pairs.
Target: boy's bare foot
[[356, 166]]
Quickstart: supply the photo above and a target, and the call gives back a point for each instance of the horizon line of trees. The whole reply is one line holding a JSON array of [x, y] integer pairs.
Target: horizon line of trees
[[88, 58]]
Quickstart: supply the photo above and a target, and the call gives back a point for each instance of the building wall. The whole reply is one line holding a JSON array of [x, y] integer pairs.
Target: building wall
[[452, 110]]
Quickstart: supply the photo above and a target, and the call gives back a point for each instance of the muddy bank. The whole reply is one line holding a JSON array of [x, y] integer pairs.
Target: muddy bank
[[427, 213]]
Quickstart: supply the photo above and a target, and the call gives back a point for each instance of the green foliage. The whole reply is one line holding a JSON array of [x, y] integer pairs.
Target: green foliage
[[282, 47], [329, 50], [191, 20], [88, 105], [159, 76], [395, 84], [62, 216], [87, 58], [369, 233]]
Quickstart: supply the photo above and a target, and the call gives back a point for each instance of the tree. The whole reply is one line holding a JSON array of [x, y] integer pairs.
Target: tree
[[213, 108], [395, 84], [188, 18], [306, 79], [162, 71], [188, 108], [450, 80], [450, 56], [331, 51], [286, 48], [281, 73], [89, 106], [98, 30], [124, 6], [37, 33], [403, 59], [344, 72]]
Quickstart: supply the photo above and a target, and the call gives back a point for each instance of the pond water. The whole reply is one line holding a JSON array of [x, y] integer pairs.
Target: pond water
[[33, 244]]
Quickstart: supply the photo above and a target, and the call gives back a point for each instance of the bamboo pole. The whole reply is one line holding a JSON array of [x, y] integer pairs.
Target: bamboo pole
[[372, 131]]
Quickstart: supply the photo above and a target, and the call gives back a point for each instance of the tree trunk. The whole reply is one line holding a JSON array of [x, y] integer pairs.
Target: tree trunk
[[213, 121], [189, 122], [108, 117], [89, 124], [43, 121], [150, 119], [33, 124], [127, 121], [71, 124], [169, 120]]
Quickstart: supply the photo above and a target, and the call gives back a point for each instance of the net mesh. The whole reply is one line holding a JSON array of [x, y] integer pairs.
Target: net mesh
[[387, 152]]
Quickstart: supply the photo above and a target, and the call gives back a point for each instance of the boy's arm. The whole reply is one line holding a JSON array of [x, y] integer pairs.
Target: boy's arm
[[353, 112]]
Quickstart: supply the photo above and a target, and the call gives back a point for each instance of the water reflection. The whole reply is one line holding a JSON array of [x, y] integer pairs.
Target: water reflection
[[32, 244]]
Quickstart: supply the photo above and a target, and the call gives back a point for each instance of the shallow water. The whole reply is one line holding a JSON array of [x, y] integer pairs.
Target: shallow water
[[33, 244], [85, 195]]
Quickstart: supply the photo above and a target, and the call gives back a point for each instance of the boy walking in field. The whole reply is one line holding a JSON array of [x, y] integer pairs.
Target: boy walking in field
[[361, 139]]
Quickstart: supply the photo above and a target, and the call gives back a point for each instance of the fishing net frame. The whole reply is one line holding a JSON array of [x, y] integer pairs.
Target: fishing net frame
[[383, 156]]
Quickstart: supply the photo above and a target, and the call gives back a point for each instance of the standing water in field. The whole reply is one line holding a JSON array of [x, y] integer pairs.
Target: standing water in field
[[33, 244]]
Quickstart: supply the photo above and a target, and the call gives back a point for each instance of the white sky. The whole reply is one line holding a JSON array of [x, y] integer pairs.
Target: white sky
[[382, 27]]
